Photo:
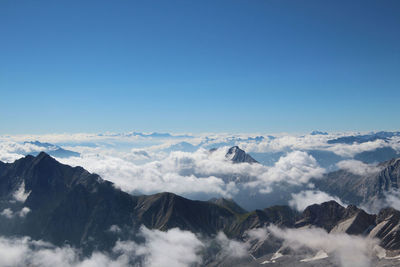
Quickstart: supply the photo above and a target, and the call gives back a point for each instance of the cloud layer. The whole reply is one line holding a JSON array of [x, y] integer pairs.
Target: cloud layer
[[350, 251], [172, 248]]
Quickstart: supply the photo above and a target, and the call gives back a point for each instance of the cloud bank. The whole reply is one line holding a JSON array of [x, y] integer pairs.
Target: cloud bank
[[350, 251], [172, 248]]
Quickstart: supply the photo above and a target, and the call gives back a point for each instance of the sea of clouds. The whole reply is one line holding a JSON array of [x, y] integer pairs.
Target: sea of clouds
[[183, 163]]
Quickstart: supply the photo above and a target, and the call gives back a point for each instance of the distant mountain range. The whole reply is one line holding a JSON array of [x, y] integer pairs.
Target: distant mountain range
[[362, 138], [44, 199], [53, 150]]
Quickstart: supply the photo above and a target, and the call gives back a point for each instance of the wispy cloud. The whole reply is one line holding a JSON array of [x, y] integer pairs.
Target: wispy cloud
[[358, 167], [350, 251], [306, 198]]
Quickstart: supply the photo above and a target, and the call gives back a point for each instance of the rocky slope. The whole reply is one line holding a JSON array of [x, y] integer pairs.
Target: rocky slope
[[237, 155], [362, 189]]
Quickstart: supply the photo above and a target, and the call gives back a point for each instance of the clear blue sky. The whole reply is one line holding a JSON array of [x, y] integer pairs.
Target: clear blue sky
[[199, 66]]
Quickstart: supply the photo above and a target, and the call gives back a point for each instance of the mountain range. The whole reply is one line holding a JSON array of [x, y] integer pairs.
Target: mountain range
[[44, 199]]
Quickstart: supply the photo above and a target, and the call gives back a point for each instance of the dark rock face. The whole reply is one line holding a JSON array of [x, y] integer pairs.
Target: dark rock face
[[278, 215], [166, 210], [66, 204], [388, 228], [238, 155], [358, 189], [325, 215], [334, 218]]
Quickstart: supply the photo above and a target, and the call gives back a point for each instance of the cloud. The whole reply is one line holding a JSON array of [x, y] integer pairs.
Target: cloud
[[9, 214], [231, 248], [11, 151], [358, 167], [294, 168], [390, 198], [349, 150], [114, 229], [199, 172], [287, 143], [257, 234], [176, 174], [20, 194], [304, 199], [171, 248], [23, 212], [350, 251]]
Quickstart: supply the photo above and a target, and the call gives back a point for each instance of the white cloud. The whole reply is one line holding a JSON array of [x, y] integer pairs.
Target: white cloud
[[231, 248], [257, 234], [115, 229], [393, 199], [295, 168], [8, 213], [20, 194], [351, 251], [349, 150], [287, 143], [23, 212], [171, 248], [306, 198], [173, 174], [198, 172], [358, 167]]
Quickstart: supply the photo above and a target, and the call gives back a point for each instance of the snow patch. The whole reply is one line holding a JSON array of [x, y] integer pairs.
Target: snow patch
[[277, 255], [320, 255]]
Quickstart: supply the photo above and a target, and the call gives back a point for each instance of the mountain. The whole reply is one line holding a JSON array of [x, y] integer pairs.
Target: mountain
[[237, 155], [66, 204], [44, 199], [315, 132], [362, 189], [52, 150], [387, 228], [334, 218], [364, 138], [182, 146]]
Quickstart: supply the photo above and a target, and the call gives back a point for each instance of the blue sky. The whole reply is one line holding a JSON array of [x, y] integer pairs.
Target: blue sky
[[199, 66]]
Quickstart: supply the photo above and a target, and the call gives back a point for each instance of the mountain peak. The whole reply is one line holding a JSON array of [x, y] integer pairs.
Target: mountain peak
[[43, 156], [228, 204], [238, 155]]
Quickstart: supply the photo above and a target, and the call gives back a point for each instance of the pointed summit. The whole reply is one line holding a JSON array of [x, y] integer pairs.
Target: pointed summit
[[238, 155], [43, 155]]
